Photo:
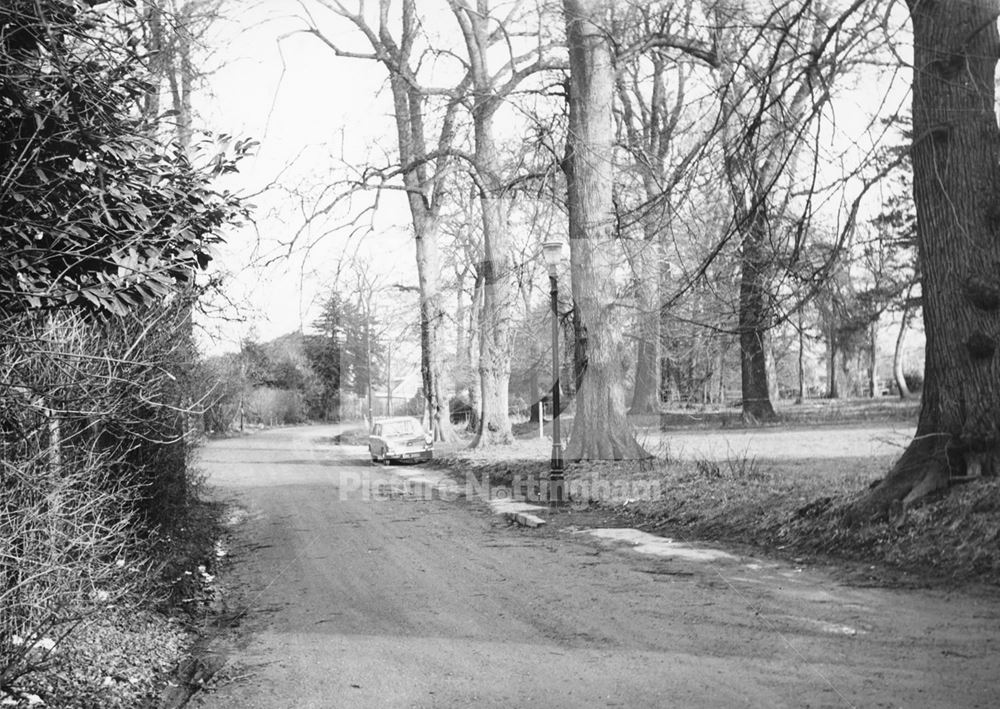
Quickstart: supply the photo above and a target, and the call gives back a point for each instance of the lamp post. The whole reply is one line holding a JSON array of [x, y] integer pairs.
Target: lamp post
[[553, 250]]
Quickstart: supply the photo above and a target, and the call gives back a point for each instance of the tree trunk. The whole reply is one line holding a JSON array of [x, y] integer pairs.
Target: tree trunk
[[801, 362], [956, 151], [422, 178], [832, 392], [897, 355], [185, 69], [754, 317], [432, 317], [157, 59], [653, 274], [874, 391], [773, 384], [460, 344], [646, 390], [600, 429], [494, 324], [494, 328], [424, 198], [472, 352]]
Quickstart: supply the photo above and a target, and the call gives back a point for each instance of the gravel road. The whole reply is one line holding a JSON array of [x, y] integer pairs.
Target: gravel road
[[356, 597]]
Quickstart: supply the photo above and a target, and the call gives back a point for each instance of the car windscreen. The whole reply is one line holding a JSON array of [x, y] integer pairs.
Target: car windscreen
[[400, 428]]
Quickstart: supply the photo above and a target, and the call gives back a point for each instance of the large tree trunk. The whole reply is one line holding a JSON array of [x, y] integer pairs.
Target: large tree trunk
[[600, 429], [432, 317], [956, 151], [494, 328], [495, 332]]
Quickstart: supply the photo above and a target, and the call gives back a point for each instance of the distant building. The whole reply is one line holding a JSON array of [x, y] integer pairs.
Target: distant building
[[406, 396]]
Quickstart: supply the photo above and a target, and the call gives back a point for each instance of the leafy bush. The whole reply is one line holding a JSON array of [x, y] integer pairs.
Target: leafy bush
[[95, 212]]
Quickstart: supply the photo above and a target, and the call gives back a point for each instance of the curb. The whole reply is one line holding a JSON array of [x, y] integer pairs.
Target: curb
[[517, 512], [524, 519]]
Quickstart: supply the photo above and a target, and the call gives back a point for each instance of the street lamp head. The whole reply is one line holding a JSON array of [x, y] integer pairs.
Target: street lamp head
[[553, 253]]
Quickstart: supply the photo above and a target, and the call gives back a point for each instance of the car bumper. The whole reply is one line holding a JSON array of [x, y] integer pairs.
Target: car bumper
[[410, 455]]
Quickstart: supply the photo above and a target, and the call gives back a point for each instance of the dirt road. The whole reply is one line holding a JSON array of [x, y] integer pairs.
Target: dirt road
[[401, 601]]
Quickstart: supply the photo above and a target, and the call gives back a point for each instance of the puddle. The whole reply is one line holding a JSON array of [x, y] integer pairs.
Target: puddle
[[501, 506], [646, 543]]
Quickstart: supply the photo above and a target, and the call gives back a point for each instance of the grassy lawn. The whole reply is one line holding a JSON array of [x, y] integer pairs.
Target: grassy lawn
[[787, 506]]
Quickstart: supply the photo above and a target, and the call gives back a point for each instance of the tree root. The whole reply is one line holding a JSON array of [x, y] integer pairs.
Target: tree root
[[606, 447], [924, 468]]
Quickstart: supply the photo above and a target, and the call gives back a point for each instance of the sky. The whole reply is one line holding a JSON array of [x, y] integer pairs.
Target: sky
[[311, 113]]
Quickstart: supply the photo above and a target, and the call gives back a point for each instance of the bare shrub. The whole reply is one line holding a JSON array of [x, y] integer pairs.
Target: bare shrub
[[92, 457]]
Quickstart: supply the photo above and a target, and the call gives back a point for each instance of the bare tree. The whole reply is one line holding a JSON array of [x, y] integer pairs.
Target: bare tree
[[393, 42], [777, 68], [484, 36], [654, 52]]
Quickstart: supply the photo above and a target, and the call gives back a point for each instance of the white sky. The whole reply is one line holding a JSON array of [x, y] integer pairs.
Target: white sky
[[307, 108]]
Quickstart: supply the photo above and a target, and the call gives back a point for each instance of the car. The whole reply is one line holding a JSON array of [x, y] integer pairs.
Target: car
[[399, 438]]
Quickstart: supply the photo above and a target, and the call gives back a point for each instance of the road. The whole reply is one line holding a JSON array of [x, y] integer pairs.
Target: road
[[402, 601]]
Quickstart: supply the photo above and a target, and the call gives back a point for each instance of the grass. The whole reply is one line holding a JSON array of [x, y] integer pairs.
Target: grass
[[809, 412], [789, 507]]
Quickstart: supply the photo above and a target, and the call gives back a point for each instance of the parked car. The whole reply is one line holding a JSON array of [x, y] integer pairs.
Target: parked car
[[399, 438]]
